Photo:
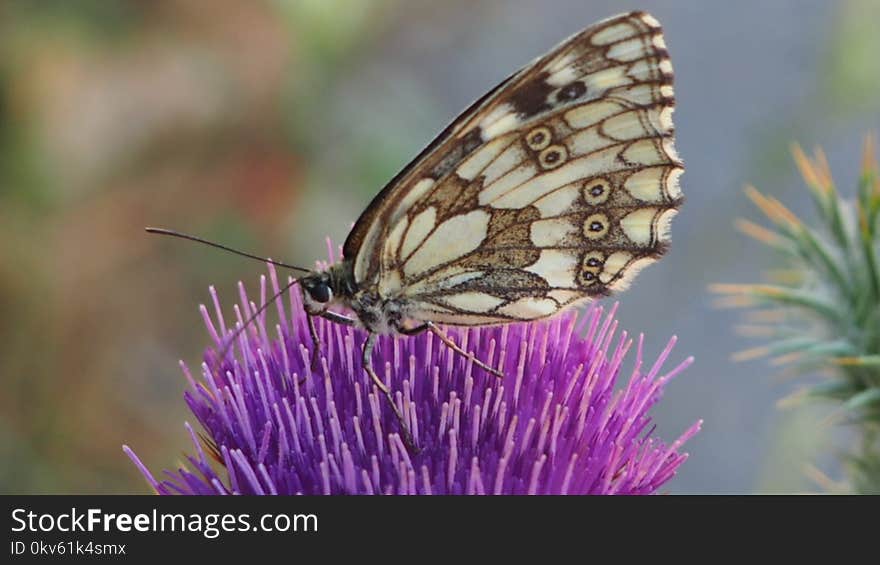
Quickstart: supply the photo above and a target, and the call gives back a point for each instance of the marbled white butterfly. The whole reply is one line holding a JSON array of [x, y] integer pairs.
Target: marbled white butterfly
[[555, 187]]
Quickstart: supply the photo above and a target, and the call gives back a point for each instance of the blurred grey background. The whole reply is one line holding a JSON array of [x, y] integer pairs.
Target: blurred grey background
[[270, 125]]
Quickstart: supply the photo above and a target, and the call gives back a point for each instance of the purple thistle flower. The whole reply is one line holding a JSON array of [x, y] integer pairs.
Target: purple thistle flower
[[554, 425]]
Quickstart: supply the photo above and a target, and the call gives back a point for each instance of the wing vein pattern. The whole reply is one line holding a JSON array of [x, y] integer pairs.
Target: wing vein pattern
[[557, 186]]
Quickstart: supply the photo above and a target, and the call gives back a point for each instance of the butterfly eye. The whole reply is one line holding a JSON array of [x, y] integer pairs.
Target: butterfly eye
[[320, 292]]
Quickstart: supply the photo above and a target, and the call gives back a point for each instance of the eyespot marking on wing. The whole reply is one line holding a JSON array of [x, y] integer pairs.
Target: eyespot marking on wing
[[596, 226], [553, 156], [539, 138], [597, 191]]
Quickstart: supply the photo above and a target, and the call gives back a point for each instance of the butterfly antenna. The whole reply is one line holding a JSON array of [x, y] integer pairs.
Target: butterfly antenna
[[229, 340], [181, 235]]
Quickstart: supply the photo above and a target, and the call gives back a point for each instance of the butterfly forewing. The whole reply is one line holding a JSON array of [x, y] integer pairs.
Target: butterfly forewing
[[556, 186]]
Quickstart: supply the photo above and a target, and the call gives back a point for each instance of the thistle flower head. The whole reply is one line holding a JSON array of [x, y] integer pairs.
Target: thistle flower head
[[822, 309], [555, 424]]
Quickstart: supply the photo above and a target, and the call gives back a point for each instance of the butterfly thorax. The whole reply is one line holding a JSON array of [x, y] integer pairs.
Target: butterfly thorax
[[337, 286]]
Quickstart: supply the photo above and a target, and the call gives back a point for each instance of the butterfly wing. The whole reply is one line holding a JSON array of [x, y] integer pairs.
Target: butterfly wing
[[556, 186]]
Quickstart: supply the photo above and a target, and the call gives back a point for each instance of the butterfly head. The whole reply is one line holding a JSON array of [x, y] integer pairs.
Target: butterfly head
[[320, 289], [317, 291]]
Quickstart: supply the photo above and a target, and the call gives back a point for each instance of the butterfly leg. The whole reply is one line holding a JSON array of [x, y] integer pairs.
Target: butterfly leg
[[368, 367], [452, 345], [316, 342], [313, 331]]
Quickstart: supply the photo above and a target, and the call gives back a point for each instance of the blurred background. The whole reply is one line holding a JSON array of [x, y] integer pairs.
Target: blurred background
[[269, 125]]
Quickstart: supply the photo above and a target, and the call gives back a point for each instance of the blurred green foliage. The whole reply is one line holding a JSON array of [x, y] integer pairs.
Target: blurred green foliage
[[852, 85], [820, 308]]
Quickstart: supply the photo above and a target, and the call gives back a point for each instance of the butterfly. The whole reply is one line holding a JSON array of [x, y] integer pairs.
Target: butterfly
[[554, 188]]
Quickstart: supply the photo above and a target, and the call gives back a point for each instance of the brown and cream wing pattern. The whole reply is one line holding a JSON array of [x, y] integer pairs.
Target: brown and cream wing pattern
[[556, 186]]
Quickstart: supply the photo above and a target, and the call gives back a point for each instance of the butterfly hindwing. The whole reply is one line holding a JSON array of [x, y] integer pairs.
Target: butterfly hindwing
[[557, 186]]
